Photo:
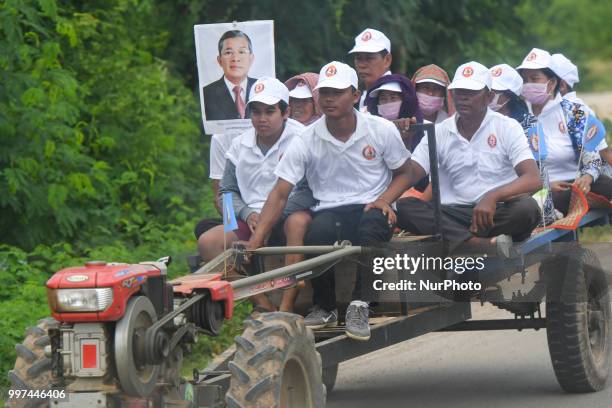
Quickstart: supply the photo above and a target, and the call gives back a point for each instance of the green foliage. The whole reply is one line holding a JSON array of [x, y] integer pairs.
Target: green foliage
[[98, 138], [580, 30]]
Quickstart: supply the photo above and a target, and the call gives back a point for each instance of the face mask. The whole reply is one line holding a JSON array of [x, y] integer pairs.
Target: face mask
[[390, 110], [429, 104], [535, 93], [495, 105]]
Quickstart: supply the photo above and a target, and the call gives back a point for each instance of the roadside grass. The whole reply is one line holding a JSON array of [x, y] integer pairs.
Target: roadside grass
[[596, 234]]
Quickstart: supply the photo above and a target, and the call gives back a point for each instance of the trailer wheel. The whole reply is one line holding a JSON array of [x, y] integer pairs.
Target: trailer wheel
[[578, 320], [329, 377], [32, 369], [275, 365]]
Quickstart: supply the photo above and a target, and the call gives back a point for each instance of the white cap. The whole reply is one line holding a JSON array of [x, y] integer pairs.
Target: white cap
[[301, 91], [506, 78], [536, 59], [389, 86], [565, 69], [472, 75], [433, 81], [370, 40], [269, 91], [337, 75]]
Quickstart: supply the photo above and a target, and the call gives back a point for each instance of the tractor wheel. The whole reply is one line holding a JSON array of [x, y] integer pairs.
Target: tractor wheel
[[329, 377], [275, 365], [578, 320], [32, 369]]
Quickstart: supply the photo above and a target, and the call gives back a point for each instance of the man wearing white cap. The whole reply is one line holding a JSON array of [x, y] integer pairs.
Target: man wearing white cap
[[356, 166], [372, 54], [249, 171], [486, 172]]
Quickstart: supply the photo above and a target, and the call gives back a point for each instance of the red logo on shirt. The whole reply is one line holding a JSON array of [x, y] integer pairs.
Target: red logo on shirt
[[590, 133], [492, 140], [531, 56], [535, 142], [468, 72], [367, 36], [496, 72], [259, 87], [562, 127], [330, 71], [368, 152]]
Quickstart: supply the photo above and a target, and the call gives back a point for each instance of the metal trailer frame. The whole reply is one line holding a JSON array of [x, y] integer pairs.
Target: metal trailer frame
[[335, 347]]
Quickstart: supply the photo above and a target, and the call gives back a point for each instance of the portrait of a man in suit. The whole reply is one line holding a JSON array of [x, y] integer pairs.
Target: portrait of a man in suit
[[227, 97]]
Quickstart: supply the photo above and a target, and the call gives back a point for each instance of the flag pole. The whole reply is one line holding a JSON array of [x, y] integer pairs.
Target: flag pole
[[229, 224], [225, 218]]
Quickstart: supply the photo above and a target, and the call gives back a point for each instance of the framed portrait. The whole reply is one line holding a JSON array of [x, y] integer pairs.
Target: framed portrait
[[230, 57]]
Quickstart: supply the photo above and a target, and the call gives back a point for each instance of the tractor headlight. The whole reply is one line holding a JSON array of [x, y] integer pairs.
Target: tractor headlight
[[80, 300]]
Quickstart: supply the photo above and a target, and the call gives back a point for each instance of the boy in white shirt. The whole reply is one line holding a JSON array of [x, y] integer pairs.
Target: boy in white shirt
[[353, 163], [249, 177]]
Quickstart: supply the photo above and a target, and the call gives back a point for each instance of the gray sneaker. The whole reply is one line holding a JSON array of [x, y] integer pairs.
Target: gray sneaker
[[357, 326], [319, 318]]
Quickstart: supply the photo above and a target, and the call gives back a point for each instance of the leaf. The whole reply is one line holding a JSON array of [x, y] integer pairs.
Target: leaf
[[66, 28], [49, 7], [49, 148], [57, 196], [33, 97]]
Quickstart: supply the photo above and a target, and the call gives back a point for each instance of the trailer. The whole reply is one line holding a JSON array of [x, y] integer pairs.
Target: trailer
[[119, 332]]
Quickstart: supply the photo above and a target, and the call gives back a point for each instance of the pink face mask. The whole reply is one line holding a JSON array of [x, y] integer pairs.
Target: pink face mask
[[390, 110], [535, 93], [429, 104]]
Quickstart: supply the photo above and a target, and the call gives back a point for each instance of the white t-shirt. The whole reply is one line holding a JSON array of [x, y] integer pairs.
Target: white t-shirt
[[470, 169], [561, 160], [219, 145], [339, 173], [254, 171]]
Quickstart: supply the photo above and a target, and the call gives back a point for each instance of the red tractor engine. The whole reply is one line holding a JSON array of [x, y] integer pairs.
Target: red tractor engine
[[119, 332]]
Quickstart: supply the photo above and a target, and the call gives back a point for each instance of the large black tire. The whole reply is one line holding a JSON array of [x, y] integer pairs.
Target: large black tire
[[578, 320], [275, 365], [32, 369]]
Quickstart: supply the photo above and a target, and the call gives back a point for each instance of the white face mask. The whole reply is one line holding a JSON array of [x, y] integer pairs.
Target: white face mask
[[495, 105]]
